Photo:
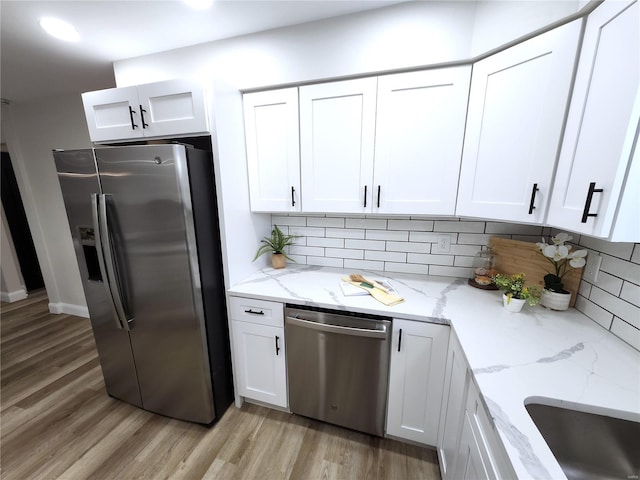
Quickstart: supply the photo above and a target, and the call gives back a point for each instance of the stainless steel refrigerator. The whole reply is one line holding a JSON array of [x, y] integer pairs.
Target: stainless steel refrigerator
[[145, 229]]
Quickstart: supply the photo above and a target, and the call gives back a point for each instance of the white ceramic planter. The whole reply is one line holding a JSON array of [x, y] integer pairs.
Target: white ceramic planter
[[554, 300], [514, 305]]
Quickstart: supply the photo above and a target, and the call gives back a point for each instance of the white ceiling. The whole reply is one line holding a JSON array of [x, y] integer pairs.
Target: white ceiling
[[34, 65]]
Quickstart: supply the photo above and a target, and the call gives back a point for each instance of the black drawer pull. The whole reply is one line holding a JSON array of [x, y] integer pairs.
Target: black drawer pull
[[252, 312], [399, 339], [587, 204], [142, 112], [277, 347], [365, 196], [131, 112], [378, 196], [293, 200], [533, 198]]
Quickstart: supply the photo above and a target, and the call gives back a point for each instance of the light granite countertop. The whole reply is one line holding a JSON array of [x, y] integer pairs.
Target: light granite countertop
[[557, 358]]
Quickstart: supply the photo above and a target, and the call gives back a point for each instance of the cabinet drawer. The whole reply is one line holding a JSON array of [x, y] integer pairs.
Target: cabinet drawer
[[257, 311]]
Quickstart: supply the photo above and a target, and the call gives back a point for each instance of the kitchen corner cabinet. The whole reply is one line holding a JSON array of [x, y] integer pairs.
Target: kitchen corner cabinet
[[337, 128], [259, 350], [273, 152], [416, 378], [452, 414], [517, 106], [172, 107], [597, 184], [419, 132], [480, 456]]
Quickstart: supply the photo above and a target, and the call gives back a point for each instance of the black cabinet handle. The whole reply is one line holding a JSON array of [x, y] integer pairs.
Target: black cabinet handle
[[293, 200], [142, 112], [252, 312], [533, 198], [587, 204], [378, 196], [399, 339], [365, 196], [277, 347], [131, 112]]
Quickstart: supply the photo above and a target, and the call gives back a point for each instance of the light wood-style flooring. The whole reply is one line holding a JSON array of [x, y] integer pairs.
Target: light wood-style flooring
[[58, 422]]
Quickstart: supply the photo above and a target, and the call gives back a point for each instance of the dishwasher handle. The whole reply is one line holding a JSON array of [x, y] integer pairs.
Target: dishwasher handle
[[327, 327]]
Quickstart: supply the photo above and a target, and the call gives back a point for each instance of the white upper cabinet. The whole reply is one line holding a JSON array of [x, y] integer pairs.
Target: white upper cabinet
[[419, 132], [173, 107], [516, 112], [273, 154], [337, 127], [596, 190]]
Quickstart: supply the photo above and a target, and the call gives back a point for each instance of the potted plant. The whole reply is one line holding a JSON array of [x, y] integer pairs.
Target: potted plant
[[554, 296], [276, 244], [515, 292]]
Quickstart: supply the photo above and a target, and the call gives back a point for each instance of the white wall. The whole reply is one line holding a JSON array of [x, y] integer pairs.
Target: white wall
[[32, 131], [12, 286]]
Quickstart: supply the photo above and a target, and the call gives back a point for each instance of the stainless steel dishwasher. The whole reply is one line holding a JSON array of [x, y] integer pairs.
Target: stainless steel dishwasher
[[338, 367]]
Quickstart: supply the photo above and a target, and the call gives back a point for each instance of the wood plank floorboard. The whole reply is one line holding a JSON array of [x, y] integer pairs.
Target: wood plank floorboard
[[57, 422]]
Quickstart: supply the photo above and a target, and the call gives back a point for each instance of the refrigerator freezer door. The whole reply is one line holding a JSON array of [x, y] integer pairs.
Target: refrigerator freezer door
[[153, 240], [78, 181]]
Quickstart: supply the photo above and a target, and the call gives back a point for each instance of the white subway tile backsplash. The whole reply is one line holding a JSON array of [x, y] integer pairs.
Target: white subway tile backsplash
[[365, 244], [461, 272], [631, 293], [513, 229], [626, 332], [423, 237], [617, 306], [467, 227], [366, 223], [620, 268], [386, 256], [430, 259], [344, 253], [325, 262], [615, 249], [325, 242], [409, 247], [363, 264], [325, 222], [406, 268], [398, 236], [344, 233], [414, 225], [594, 312], [609, 283], [407, 244]]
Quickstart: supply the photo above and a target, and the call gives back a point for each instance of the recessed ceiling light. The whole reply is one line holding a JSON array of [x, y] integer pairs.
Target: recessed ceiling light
[[60, 29], [199, 4]]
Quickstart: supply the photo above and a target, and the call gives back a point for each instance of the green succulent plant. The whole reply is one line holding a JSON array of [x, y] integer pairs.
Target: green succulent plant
[[276, 243]]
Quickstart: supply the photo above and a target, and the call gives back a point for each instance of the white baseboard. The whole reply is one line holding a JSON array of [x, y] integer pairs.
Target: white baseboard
[[13, 296], [69, 309]]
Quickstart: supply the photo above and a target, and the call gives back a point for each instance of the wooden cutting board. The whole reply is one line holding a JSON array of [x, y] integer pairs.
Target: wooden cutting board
[[515, 256]]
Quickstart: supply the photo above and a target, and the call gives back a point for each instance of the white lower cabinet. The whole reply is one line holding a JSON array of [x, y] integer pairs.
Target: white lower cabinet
[[452, 414], [416, 378], [259, 350]]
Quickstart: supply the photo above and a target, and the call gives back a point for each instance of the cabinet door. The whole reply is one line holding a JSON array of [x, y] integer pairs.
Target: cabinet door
[[273, 153], [337, 126], [516, 111], [602, 123], [259, 353], [453, 408], [112, 114], [470, 464], [419, 132], [173, 107], [416, 378]]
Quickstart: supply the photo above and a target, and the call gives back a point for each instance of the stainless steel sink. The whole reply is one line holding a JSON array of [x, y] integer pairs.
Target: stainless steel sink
[[589, 446]]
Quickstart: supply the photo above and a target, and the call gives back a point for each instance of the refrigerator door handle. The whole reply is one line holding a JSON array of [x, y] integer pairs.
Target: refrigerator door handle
[[114, 285], [95, 213]]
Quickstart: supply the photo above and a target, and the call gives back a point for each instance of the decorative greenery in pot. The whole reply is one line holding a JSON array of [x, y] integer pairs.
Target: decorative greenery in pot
[[515, 291], [554, 296], [276, 244], [561, 256]]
